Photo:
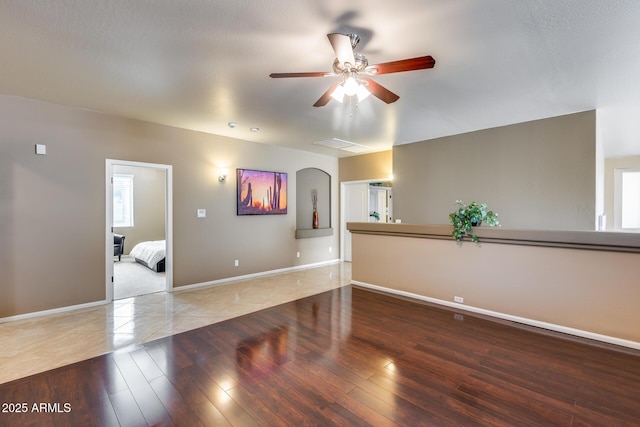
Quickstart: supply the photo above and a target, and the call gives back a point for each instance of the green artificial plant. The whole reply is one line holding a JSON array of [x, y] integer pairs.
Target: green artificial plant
[[468, 216]]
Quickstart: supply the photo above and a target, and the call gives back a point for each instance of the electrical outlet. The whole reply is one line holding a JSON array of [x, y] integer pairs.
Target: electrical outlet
[[330, 249], [458, 299], [297, 254], [237, 262]]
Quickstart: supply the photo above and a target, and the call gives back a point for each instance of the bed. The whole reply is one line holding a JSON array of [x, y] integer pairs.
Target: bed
[[150, 254]]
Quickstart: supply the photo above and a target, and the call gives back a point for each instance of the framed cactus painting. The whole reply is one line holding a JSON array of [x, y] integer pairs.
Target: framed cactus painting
[[261, 192]]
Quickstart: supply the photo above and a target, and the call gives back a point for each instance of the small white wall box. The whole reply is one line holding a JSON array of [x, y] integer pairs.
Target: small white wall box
[[41, 149], [202, 213]]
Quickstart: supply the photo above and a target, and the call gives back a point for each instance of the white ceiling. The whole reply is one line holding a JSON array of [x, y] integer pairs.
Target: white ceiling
[[198, 64]]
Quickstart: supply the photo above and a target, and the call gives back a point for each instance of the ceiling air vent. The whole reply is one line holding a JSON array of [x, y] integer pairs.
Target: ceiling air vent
[[341, 144]]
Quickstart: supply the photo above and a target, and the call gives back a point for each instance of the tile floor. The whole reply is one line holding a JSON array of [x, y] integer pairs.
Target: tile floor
[[38, 344]]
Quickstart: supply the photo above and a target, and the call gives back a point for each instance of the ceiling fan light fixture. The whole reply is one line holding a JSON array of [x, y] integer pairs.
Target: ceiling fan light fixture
[[351, 86], [362, 93], [338, 93]]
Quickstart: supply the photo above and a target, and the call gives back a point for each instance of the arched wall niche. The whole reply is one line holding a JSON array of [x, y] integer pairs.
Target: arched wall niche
[[307, 180]]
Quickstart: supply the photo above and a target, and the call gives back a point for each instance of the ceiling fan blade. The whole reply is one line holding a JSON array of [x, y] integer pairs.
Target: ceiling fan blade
[[341, 45], [381, 92], [420, 63], [326, 97], [309, 74]]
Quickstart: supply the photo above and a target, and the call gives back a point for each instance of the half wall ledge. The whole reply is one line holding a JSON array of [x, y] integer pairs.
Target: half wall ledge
[[573, 239]]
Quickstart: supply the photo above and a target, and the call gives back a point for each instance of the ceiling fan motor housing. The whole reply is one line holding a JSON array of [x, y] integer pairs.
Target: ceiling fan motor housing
[[361, 63]]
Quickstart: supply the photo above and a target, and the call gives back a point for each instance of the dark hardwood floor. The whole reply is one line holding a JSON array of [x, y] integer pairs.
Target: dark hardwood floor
[[347, 357]]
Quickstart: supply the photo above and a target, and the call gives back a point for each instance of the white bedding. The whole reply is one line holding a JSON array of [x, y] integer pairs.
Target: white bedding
[[150, 252]]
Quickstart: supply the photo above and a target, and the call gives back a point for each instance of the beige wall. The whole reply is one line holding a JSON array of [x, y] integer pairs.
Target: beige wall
[[52, 212], [610, 166], [366, 166], [148, 205], [538, 174], [586, 290]]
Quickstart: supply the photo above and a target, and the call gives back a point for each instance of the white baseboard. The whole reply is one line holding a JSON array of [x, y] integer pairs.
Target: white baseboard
[[254, 275], [531, 322], [52, 311]]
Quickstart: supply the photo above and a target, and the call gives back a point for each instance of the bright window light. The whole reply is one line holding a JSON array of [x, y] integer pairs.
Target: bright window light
[[122, 200], [631, 200]]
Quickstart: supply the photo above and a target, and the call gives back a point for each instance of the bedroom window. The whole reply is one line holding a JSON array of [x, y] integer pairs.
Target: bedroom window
[[122, 200]]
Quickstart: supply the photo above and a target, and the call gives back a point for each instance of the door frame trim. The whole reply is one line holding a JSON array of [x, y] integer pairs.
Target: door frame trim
[[343, 224], [168, 224]]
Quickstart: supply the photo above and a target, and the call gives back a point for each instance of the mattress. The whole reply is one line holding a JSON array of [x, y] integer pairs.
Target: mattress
[[150, 253]]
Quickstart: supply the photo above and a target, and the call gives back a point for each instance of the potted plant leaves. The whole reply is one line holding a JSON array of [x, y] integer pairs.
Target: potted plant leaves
[[468, 216]]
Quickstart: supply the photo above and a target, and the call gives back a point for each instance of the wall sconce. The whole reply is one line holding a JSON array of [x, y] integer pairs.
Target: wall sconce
[[222, 174]]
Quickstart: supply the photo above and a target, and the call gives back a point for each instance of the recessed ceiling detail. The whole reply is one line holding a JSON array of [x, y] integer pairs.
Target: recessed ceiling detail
[[341, 144]]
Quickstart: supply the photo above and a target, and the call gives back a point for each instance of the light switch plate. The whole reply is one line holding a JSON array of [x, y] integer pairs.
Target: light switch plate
[[41, 149], [202, 213]]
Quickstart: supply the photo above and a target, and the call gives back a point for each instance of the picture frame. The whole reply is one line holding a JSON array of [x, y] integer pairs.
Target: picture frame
[[261, 192]]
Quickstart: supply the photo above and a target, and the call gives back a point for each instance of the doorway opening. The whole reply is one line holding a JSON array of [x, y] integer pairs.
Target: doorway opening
[[363, 201], [139, 224]]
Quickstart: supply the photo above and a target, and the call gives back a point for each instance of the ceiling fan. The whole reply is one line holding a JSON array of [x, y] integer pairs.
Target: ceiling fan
[[355, 69]]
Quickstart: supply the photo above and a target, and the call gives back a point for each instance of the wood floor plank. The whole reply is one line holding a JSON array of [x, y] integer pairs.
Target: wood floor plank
[[235, 414], [205, 412], [336, 390], [178, 409], [127, 409], [146, 399], [398, 410], [218, 373], [165, 363], [503, 399], [146, 364], [71, 385], [96, 402], [436, 401], [345, 357], [170, 345], [112, 378], [298, 405], [261, 411]]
